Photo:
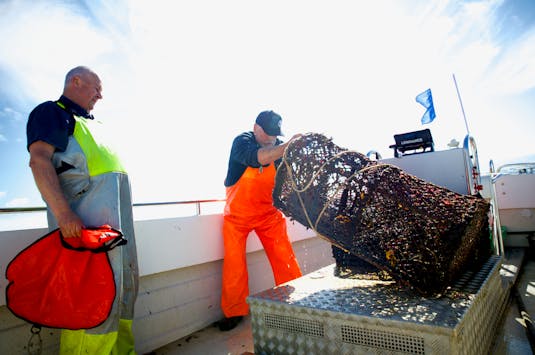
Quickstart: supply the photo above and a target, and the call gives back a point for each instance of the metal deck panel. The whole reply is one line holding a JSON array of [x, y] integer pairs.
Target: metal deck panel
[[324, 314]]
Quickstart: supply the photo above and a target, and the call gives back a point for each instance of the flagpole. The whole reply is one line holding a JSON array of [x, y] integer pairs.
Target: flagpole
[[462, 108]]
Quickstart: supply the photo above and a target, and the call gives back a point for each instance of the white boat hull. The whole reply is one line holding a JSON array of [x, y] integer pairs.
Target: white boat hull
[[180, 286]]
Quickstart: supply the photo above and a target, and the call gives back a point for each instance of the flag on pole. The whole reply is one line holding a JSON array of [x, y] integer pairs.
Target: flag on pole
[[426, 99]]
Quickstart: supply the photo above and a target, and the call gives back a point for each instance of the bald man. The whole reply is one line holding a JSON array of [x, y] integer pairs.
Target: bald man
[[84, 184]]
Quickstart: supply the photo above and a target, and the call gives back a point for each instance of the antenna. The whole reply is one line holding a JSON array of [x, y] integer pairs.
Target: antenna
[[470, 146], [462, 108]]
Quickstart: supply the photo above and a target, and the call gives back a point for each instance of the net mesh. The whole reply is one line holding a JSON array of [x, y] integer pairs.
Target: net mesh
[[421, 234]]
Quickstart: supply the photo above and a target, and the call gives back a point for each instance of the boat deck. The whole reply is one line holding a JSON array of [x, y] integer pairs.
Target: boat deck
[[516, 334], [210, 340], [512, 336]]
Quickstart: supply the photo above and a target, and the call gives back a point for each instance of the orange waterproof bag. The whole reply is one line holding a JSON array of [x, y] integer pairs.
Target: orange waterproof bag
[[64, 283]]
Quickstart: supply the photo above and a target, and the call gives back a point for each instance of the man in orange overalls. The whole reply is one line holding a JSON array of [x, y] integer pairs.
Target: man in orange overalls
[[249, 206]]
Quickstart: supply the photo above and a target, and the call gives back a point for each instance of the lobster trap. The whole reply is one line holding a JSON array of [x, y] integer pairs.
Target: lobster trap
[[421, 234]]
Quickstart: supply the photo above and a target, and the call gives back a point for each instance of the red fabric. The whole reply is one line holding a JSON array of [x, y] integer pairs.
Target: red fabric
[[53, 285]]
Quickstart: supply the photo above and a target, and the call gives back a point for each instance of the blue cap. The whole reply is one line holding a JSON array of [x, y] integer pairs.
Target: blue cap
[[270, 122]]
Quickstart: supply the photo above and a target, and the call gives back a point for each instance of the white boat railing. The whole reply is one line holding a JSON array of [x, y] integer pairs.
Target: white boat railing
[[512, 200], [197, 204], [497, 236]]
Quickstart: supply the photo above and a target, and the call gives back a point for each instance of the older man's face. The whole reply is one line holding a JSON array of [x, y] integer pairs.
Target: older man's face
[[89, 91]]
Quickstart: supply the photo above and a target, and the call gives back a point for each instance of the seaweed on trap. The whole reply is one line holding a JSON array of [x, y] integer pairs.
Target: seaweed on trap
[[421, 234]]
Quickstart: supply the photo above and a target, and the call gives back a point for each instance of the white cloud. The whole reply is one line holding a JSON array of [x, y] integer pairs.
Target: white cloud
[[8, 113], [39, 49], [515, 71], [181, 79], [18, 202]]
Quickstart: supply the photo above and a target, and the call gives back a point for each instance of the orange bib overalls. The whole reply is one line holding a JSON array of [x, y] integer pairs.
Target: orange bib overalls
[[250, 207]]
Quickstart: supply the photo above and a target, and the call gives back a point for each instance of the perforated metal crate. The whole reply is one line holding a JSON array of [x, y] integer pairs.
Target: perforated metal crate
[[320, 313]]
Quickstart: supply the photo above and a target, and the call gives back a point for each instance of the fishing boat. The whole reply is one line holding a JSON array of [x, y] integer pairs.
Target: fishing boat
[[180, 255]]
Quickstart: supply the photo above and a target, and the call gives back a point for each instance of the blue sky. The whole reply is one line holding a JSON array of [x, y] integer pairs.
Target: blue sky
[[181, 79]]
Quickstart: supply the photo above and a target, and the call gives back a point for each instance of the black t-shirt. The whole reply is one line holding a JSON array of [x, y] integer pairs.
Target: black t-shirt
[[244, 153], [50, 123]]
